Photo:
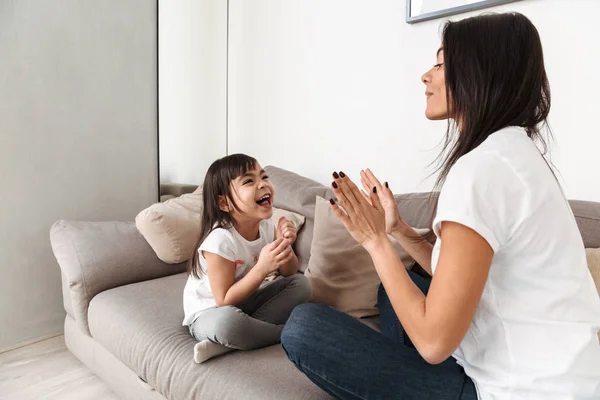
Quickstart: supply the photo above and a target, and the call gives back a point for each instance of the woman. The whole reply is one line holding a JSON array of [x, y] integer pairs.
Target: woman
[[511, 311]]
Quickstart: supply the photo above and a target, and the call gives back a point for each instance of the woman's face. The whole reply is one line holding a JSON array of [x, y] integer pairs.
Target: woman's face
[[435, 90]]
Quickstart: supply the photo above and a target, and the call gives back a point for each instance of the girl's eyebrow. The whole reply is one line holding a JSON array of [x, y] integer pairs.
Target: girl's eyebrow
[[438, 52], [250, 174]]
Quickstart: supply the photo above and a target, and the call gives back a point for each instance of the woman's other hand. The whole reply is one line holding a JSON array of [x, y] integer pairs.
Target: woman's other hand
[[393, 221]]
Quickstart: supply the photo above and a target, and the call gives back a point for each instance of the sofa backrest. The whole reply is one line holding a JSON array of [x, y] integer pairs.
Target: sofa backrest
[[587, 215], [97, 256], [297, 193]]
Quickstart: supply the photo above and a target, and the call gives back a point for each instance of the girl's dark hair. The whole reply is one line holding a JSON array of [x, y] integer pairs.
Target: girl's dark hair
[[218, 183], [495, 78]]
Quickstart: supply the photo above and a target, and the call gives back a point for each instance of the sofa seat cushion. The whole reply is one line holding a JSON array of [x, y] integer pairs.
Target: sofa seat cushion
[[140, 324]]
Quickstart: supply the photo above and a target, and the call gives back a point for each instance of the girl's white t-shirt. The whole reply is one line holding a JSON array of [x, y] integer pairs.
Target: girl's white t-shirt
[[229, 244], [534, 334]]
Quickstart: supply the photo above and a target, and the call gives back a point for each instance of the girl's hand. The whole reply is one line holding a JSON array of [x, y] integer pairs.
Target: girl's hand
[[274, 256], [363, 218], [392, 217], [286, 230]]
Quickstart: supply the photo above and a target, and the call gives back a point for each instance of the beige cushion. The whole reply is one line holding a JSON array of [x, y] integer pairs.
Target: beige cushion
[[172, 228], [296, 219], [593, 260], [340, 270]]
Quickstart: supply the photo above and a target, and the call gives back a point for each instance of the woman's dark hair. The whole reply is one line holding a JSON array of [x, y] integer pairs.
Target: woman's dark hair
[[495, 78], [218, 183]]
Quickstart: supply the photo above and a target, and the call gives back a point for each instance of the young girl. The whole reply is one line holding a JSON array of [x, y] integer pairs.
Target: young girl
[[242, 283]]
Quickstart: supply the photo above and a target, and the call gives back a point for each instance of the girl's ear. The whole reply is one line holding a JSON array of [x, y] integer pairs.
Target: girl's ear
[[223, 204]]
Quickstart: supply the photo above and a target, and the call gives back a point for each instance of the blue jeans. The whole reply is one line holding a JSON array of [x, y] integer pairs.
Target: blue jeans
[[349, 360]]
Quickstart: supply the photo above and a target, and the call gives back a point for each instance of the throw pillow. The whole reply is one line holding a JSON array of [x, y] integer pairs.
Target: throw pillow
[[340, 270], [296, 219], [593, 260], [172, 228]]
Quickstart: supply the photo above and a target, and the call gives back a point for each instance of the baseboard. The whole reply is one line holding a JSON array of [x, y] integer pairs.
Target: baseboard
[[30, 342]]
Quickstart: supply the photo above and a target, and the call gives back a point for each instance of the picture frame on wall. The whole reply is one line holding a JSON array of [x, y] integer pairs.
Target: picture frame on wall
[[425, 10]]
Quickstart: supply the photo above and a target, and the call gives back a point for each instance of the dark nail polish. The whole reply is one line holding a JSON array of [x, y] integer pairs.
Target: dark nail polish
[[332, 201], [335, 186], [335, 175], [343, 175], [374, 189], [386, 185]]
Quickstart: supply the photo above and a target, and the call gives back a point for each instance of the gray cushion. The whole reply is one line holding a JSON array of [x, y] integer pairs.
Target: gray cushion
[[416, 208], [587, 214], [141, 325], [298, 194], [96, 256]]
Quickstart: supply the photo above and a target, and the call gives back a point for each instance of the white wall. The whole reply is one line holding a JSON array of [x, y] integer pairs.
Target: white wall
[[192, 87], [317, 86], [77, 139]]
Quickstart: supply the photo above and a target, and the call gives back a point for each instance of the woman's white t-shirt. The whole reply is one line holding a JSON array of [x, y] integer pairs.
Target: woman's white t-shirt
[[229, 244], [534, 334]]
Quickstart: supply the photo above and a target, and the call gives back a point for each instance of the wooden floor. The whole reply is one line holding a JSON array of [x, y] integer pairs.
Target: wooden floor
[[48, 371]]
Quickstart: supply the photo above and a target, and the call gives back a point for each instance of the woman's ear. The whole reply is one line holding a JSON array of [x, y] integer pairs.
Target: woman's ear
[[223, 204]]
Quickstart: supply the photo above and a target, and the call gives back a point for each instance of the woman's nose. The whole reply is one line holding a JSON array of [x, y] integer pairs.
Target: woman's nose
[[426, 78]]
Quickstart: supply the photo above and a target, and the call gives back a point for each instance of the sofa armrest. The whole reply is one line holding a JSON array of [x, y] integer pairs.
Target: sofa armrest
[[97, 256]]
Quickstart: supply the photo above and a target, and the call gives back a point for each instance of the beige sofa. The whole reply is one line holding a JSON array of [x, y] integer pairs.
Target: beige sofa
[[124, 307]]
